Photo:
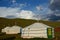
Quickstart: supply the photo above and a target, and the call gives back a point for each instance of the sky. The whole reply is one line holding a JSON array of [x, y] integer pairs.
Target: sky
[[30, 9]]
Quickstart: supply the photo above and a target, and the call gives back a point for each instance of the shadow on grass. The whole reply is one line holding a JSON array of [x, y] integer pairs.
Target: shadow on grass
[[36, 39]]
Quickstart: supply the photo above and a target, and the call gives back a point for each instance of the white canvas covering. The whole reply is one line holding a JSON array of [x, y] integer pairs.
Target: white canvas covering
[[5, 29], [35, 30], [12, 30]]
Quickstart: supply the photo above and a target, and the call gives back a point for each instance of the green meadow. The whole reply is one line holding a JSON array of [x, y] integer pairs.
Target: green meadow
[[23, 23]]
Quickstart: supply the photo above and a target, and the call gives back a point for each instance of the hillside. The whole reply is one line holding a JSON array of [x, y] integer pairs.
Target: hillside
[[24, 22]]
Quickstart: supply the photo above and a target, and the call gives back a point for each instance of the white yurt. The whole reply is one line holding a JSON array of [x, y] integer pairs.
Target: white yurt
[[39, 30], [12, 30], [4, 30]]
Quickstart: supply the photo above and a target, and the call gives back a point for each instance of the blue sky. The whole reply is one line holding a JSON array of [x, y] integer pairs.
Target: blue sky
[[8, 3], [28, 9], [30, 4]]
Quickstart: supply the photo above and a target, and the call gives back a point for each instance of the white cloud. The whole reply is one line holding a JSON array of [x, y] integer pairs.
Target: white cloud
[[26, 14], [48, 11], [4, 11], [22, 5], [39, 8], [51, 1], [57, 14], [16, 12], [13, 1], [17, 5]]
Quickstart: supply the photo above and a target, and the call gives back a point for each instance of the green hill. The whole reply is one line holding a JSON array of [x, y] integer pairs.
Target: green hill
[[23, 23]]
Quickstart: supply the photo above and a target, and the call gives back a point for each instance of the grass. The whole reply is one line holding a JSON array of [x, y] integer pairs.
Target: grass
[[23, 23]]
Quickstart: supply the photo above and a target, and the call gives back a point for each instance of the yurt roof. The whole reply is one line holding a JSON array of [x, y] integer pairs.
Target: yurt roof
[[15, 26], [7, 27], [39, 25]]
